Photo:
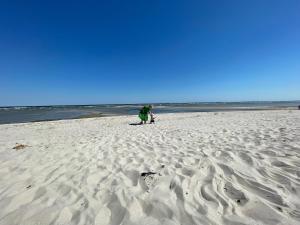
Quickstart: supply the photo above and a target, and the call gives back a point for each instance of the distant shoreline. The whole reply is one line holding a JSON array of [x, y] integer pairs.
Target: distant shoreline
[[98, 115], [24, 114], [154, 103]]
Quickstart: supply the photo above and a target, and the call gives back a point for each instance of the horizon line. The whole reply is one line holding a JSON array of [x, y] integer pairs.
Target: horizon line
[[145, 103]]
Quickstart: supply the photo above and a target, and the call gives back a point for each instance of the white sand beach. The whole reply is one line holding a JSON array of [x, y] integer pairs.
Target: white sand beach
[[189, 168]]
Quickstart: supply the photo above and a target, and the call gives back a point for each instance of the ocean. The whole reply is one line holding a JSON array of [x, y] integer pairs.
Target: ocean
[[23, 114]]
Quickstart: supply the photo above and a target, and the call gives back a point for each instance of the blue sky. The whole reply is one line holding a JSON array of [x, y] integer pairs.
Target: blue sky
[[84, 52]]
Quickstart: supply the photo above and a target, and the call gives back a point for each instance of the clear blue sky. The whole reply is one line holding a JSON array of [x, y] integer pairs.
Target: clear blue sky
[[83, 52]]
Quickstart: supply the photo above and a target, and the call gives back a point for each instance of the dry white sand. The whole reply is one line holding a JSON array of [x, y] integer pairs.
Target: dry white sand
[[208, 168]]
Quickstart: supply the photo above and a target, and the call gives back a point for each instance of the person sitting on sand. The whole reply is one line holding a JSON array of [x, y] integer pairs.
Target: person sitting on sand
[[144, 113]]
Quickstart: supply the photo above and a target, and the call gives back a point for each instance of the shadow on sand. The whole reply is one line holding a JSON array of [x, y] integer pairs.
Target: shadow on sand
[[135, 124]]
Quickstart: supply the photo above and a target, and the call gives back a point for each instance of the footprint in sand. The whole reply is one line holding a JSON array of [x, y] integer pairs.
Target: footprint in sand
[[150, 179]]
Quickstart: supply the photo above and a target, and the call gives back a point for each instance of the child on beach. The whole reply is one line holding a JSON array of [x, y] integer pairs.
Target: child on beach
[[152, 118]]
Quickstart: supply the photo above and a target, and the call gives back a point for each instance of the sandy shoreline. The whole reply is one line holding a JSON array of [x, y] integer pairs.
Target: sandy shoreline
[[188, 168], [28, 114]]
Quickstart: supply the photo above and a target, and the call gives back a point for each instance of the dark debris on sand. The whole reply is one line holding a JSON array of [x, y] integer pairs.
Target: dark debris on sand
[[19, 146], [145, 174]]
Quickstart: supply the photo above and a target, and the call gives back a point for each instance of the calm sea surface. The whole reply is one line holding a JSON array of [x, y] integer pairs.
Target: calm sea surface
[[21, 114]]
